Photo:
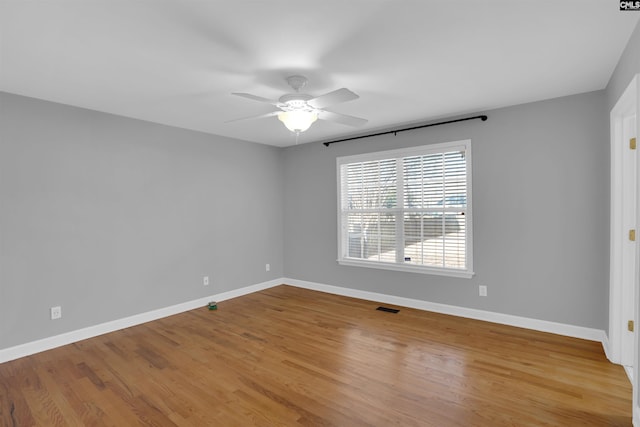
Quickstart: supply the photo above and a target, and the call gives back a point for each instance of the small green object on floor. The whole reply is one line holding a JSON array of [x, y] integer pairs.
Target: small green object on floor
[[213, 305]]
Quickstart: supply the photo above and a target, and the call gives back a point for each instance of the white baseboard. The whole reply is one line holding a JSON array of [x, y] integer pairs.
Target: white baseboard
[[27, 349], [49, 343], [606, 347], [636, 415], [629, 371], [471, 313]]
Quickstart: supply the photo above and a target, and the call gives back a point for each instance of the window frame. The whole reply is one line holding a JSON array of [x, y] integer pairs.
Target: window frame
[[399, 154]]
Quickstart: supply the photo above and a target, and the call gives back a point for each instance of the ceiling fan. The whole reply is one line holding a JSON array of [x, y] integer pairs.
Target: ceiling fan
[[298, 110]]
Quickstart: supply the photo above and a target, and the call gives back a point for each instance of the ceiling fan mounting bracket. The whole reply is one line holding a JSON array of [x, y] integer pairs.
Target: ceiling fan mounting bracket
[[297, 82]]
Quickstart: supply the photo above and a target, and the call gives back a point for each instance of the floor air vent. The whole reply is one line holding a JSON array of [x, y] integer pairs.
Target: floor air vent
[[387, 309]]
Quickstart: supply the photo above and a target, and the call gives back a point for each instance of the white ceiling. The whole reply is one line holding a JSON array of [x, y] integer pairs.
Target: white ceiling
[[176, 62]]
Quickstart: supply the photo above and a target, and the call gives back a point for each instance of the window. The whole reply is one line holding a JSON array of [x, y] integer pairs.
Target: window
[[407, 209]]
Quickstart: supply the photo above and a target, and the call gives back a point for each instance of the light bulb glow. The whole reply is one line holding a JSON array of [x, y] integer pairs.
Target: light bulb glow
[[298, 120]]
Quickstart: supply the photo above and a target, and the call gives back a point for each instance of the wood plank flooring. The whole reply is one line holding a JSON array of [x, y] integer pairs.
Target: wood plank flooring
[[287, 356]]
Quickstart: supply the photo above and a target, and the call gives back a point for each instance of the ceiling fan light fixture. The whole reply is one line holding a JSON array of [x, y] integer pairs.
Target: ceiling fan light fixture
[[298, 120]]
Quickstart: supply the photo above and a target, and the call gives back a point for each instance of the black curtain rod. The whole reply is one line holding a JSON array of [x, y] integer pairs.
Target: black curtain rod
[[482, 117]]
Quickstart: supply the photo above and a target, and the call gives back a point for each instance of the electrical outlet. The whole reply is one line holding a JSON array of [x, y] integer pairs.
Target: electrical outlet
[[56, 312], [205, 281], [267, 267], [482, 289]]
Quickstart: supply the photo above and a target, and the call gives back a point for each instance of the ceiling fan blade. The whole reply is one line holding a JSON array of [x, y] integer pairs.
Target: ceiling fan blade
[[341, 118], [257, 98], [261, 116], [332, 98]]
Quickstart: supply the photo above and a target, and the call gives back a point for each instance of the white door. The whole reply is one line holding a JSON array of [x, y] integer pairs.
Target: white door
[[630, 243]]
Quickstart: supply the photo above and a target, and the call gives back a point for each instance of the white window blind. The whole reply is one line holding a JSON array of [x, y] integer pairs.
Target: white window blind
[[407, 209]]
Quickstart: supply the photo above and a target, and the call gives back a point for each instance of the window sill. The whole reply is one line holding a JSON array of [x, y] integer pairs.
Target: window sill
[[465, 274]]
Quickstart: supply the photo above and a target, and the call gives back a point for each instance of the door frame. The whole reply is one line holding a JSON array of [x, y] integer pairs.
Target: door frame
[[627, 105], [621, 175]]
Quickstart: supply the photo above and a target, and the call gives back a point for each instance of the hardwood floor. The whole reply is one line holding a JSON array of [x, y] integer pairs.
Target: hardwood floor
[[287, 356]]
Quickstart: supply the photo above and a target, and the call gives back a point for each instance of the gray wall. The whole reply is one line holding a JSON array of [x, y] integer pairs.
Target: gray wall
[[110, 217], [628, 66], [540, 213]]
